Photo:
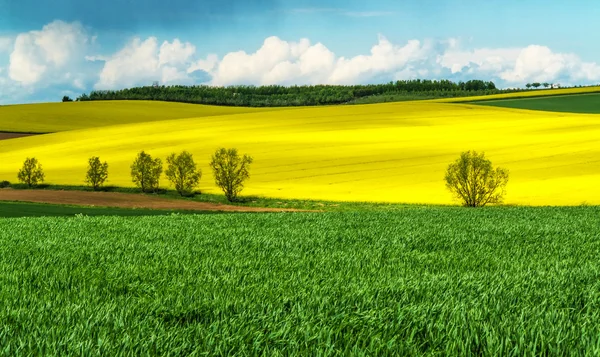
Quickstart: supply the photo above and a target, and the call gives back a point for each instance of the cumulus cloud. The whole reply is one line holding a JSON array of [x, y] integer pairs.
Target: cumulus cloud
[[61, 55], [516, 66], [142, 62], [283, 62], [493, 60], [540, 64], [385, 58], [47, 54], [205, 65]]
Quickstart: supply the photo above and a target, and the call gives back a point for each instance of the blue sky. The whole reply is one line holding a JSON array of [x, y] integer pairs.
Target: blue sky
[[508, 42]]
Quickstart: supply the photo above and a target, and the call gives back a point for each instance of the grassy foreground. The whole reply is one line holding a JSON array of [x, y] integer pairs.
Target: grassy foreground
[[436, 281], [25, 209]]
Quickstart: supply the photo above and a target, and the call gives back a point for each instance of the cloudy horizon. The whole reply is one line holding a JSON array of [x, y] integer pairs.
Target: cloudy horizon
[[58, 53]]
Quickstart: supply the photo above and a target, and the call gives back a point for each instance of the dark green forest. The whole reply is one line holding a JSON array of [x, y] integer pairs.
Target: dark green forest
[[276, 95]]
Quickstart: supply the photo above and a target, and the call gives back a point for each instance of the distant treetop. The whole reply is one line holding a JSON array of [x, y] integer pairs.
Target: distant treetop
[[276, 95]]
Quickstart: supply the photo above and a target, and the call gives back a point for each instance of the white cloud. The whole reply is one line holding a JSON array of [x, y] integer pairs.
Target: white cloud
[[540, 64], [533, 63], [41, 54], [486, 59], [142, 62], [60, 54], [279, 61], [282, 62], [96, 58], [36, 53], [176, 53], [205, 65], [385, 58]]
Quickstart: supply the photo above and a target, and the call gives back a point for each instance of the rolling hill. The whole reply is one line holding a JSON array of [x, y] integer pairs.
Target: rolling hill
[[384, 152], [525, 94], [53, 117]]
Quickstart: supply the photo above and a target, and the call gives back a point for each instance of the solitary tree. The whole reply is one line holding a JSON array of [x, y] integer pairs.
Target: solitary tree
[[182, 172], [473, 180], [528, 85], [31, 173], [546, 84], [536, 84], [230, 171], [97, 172], [146, 171]]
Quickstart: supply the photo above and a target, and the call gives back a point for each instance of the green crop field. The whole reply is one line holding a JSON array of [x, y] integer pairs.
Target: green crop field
[[573, 103], [434, 281], [25, 209]]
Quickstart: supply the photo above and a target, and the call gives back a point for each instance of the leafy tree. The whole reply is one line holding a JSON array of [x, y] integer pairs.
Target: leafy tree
[[31, 173], [97, 172], [546, 84], [146, 171], [536, 84], [528, 85], [182, 172], [230, 171], [66, 98], [473, 180]]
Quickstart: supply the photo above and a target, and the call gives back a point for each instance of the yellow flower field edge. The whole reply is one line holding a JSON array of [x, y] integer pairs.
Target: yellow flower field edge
[[396, 152], [525, 94], [54, 117]]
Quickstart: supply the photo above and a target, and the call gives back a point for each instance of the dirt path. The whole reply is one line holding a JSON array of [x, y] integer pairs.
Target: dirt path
[[122, 200], [4, 136]]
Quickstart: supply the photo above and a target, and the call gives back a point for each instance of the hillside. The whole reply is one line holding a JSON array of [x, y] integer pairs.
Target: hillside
[[521, 94], [53, 117], [588, 103], [383, 152]]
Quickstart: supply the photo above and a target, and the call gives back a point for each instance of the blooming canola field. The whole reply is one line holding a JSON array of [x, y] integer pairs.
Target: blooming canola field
[[393, 152]]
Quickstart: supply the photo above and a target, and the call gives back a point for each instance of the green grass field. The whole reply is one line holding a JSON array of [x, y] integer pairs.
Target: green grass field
[[573, 103], [434, 281], [25, 209]]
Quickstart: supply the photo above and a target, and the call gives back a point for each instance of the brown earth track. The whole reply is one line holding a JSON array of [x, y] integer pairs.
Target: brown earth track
[[5, 136], [122, 200]]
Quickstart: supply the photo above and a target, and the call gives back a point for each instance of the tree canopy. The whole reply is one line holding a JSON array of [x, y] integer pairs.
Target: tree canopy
[[276, 95]]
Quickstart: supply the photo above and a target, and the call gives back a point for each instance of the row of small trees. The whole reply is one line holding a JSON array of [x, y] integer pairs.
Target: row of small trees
[[471, 178], [537, 85], [230, 170]]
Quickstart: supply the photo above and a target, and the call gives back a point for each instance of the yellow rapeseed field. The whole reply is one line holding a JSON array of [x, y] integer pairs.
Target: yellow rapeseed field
[[524, 94], [393, 152], [53, 117]]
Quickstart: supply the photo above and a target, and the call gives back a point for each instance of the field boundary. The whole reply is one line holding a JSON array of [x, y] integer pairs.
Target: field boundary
[[124, 200], [532, 97]]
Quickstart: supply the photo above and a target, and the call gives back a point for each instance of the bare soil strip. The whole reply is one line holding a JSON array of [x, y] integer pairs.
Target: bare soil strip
[[121, 200], [5, 136]]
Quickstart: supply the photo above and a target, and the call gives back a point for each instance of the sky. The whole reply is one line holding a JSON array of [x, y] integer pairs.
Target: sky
[[63, 47]]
